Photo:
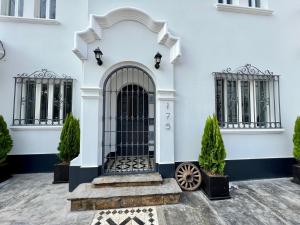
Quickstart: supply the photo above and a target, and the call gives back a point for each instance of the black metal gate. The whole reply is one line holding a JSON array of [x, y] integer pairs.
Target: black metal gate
[[128, 122]]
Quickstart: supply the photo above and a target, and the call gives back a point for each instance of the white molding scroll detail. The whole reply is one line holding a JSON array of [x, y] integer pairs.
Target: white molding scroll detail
[[98, 23]]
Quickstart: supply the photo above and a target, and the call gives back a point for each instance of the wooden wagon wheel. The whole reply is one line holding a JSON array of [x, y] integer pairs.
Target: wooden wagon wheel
[[188, 176]]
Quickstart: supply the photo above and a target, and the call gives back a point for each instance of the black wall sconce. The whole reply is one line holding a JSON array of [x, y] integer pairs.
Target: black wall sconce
[[98, 56], [157, 58]]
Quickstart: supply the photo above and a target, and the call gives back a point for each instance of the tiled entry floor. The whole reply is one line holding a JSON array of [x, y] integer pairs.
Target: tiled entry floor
[[32, 199], [130, 163], [126, 216]]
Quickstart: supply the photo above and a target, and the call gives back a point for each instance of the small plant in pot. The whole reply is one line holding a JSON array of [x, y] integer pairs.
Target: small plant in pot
[[296, 152], [6, 145], [68, 148], [212, 162]]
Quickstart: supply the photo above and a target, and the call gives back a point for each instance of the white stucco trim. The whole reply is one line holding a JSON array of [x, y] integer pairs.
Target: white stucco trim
[[166, 95], [90, 92], [99, 23], [28, 128], [15, 19], [244, 9], [252, 131]]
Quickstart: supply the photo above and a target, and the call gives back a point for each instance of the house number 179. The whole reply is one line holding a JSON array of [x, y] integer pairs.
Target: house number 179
[[168, 115]]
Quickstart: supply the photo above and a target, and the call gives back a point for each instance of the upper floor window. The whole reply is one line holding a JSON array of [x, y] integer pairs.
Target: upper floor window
[[12, 7], [42, 98], [225, 1], [35, 8], [247, 98], [246, 3], [46, 9], [254, 3]]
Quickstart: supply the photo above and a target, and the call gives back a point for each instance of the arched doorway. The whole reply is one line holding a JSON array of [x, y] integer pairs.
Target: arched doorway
[[128, 122]]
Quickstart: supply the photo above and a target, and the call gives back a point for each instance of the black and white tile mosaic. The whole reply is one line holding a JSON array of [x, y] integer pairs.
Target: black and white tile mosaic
[[130, 163], [126, 216]]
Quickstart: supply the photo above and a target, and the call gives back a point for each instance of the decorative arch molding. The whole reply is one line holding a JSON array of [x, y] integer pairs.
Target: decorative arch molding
[[98, 23]]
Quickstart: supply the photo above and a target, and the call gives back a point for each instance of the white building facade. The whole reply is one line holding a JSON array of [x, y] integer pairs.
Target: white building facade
[[131, 110]]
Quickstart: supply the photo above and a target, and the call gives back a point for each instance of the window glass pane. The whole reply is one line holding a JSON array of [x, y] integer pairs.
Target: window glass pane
[[30, 102], [44, 103], [250, 3], [229, 1], [56, 102], [257, 3], [11, 9], [261, 102], [220, 101], [52, 13], [67, 98], [21, 8], [231, 102], [43, 8], [245, 95]]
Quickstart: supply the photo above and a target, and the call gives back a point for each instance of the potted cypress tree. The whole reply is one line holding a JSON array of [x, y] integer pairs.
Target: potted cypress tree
[[296, 151], [212, 162], [68, 148], [6, 145]]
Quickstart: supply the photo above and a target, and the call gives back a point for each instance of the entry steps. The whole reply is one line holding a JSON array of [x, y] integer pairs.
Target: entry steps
[[122, 191]]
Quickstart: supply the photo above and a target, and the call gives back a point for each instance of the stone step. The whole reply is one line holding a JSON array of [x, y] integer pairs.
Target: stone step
[[87, 197], [147, 179]]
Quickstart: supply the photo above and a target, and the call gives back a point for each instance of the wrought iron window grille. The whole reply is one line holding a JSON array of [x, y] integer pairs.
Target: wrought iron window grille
[[42, 98], [247, 97]]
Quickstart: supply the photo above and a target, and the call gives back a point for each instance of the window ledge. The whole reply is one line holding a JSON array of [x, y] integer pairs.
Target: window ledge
[[23, 128], [244, 9], [252, 131], [28, 20]]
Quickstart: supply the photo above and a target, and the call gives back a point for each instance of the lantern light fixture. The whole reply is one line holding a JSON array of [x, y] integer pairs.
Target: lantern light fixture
[[157, 58], [98, 56]]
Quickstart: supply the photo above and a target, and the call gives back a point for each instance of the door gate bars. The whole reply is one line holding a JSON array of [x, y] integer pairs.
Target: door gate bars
[[128, 122]]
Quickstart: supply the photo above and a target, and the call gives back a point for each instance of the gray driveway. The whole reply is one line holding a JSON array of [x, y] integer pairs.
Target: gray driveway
[[32, 199]]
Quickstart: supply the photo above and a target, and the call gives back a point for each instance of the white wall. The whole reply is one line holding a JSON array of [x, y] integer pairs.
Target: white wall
[[211, 41], [30, 47]]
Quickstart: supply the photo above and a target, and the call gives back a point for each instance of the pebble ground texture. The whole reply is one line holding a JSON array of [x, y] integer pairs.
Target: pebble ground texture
[[32, 199]]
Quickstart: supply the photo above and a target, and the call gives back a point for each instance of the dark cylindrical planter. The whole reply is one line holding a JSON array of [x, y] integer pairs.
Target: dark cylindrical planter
[[5, 172], [215, 187], [61, 173], [296, 174]]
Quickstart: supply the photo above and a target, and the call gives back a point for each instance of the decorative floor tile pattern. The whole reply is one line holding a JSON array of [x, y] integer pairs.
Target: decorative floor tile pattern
[[126, 216], [130, 163]]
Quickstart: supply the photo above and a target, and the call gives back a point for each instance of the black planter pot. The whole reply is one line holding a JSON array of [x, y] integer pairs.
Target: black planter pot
[[61, 173], [5, 172], [215, 187], [296, 174]]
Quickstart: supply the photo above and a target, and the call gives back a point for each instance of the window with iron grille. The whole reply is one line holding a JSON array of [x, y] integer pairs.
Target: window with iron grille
[[42, 98], [247, 98]]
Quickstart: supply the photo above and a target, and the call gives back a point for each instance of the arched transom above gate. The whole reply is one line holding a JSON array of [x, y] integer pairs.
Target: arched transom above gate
[[99, 23]]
